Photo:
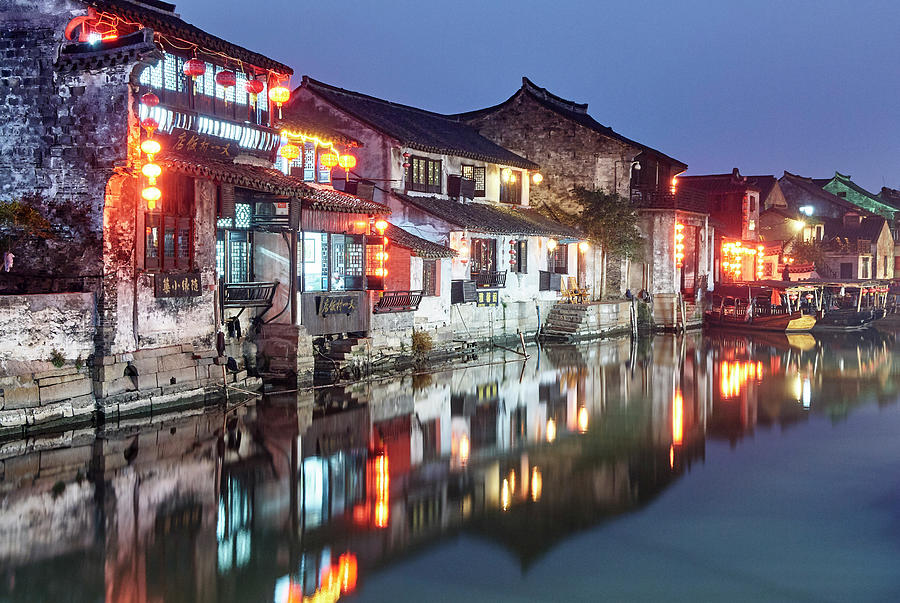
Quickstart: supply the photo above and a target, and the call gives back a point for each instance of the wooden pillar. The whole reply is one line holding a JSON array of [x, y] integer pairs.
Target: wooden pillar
[[293, 276]]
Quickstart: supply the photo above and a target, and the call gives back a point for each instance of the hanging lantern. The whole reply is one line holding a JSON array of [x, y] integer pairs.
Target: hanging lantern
[[150, 125], [583, 246], [329, 160], [289, 152], [149, 99], [537, 178], [551, 244], [151, 171], [151, 195], [279, 95], [347, 161], [254, 87], [464, 250], [381, 226], [506, 174], [150, 147], [227, 80], [194, 68], [405, 166]]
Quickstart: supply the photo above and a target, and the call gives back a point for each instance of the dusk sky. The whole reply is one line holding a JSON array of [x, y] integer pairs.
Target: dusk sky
[[766, 86]]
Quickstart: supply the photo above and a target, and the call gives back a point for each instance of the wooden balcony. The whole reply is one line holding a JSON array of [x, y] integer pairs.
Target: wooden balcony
[[490, 279], [665, 198], [248, 295], [398, 301]]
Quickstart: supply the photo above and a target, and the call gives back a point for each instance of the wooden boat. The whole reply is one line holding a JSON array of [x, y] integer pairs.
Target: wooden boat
[[738, 313]]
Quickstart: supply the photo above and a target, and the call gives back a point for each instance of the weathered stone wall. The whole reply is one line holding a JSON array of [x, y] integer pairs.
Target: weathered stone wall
[[569, 154], [34, 326]]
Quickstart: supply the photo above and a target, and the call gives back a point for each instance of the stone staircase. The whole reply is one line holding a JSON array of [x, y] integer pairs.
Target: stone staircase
[[563, 322], [333, 358]]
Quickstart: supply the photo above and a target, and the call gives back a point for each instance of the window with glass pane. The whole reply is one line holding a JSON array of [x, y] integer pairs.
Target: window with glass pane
[[476, 173], [238, 256], [424, 175], [309, 162], [511, 188], [559, 259], [314, 261], [484, 255], [519, 257], [169, 228]]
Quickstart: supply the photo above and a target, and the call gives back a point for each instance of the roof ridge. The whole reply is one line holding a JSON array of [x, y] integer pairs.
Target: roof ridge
[[338, 89], [530, 86]]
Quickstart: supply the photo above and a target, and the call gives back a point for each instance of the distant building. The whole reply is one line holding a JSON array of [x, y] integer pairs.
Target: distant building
[[447, 184], [858, 247], [574, 149]]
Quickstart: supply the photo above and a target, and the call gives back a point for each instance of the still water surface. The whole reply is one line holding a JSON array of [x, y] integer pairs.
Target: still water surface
[[694, 468]]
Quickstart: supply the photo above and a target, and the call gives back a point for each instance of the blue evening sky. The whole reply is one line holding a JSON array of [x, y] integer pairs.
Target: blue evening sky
[[763, 85]]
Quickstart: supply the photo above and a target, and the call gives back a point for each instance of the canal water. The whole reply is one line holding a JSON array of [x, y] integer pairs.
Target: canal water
[[708, 467]]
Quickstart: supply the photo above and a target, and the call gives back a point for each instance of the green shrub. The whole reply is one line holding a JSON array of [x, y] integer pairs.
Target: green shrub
[[56, 358]]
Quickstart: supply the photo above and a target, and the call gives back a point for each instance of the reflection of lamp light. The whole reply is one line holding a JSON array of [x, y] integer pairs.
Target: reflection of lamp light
[[551, 430], [537, 484], [582, 419], [504, 495], [464, 449]]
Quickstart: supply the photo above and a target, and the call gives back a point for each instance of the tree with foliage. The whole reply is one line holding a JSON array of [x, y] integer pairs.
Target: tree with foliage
[[21, 221], [808, 252], [610, 222]]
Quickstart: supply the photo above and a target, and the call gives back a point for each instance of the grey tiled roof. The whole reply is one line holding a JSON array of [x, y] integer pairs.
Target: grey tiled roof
[[417, 128]]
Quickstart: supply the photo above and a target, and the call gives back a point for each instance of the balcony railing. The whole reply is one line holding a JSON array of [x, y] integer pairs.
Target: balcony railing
[[398, 301], [664, 198], [490, 279], [248, 295]]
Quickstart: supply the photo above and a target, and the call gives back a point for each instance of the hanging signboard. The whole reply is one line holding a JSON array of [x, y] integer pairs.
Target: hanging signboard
[[185, 141], [488, 298], [177, 285]]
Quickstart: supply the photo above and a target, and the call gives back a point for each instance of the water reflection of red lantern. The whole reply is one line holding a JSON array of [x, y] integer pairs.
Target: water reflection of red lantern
[[347, 572], [382, 491], [677, 418]]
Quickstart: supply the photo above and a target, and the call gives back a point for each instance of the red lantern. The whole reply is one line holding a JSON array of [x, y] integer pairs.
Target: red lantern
[[194, 68], [150, 99], [150, 125], [226, 79], [254, 87], [347, 162]]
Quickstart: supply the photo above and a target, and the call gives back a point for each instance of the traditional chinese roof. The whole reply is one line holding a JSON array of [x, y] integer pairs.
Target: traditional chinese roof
[[797, 188], [731, 182], [489, 218], [764, 184], [417, 128], [127, 49], [268, 180], [310, 127], [162, 18], [890, 196], [575, 112], [421, 247]]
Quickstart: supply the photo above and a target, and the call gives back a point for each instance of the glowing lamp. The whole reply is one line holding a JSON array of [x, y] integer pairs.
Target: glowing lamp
[[151, 195], [537, 178], [194, 68], [149, 99], [279, 95], [583, 247], [289, 151], [151, 171], [551, 244], [381, 226], [347, 161], [329, 160], [150, 147], [506, 174]]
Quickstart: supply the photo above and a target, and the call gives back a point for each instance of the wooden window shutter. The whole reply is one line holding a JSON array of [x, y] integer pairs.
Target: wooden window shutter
[[523, 256], [226, 200]]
